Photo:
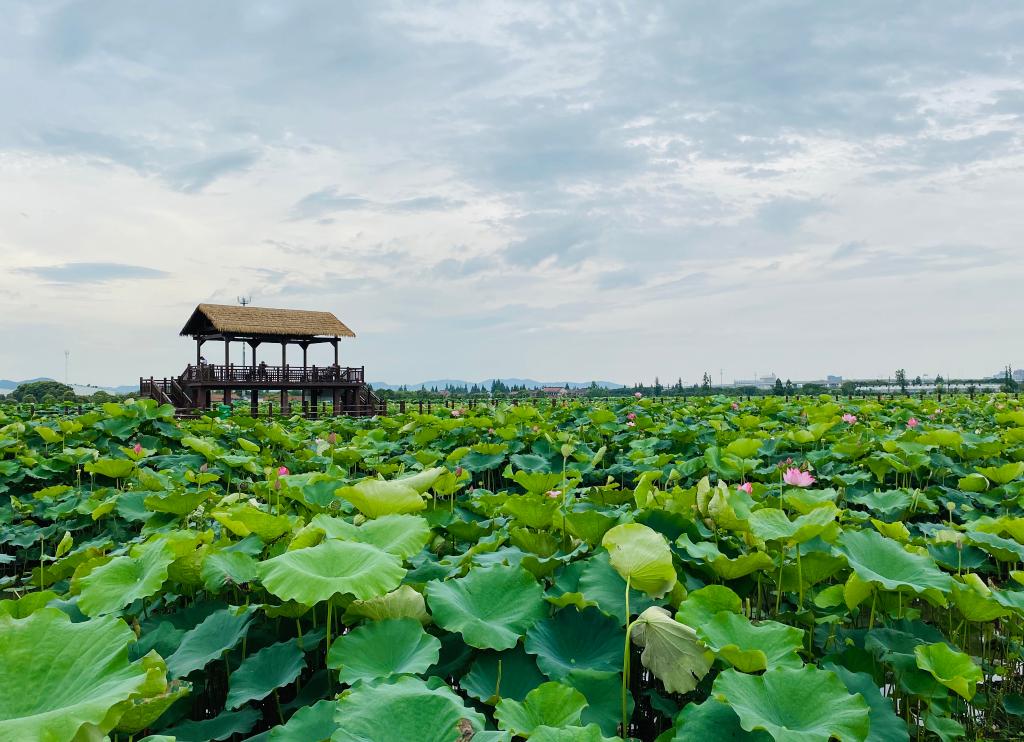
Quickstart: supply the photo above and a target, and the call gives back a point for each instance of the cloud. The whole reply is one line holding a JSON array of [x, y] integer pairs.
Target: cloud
[[92, 273], [196, 176], [558, 171]]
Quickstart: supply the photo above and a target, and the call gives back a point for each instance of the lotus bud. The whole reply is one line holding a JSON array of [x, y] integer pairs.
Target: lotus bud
[[282, 471], [204, 468], [332, 438], [458, 471], [137, 448]]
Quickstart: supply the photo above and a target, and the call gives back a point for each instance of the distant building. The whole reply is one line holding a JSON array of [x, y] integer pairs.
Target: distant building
[[831, 380], [762, 382]]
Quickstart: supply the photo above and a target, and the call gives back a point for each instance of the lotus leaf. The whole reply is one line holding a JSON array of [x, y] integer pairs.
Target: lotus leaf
[[58, 677], [642, 557], [573, 639], [885, 562], [259, 674], [550, 705], [803, 705], [312, 575], [217, 633], [491, 607], [124, 580], [383, 648], [374, 497], [752, 647], [406, 709], [953, 669], [671, 650]]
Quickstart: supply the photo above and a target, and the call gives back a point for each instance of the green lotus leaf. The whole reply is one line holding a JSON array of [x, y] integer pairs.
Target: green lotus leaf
[[224, 568], [217, 633], [973, 482], [671, 650], [312, 575], [405, 602], [953, 669], [885, 562], [805, 705], [113, 468], [642, 557], [243, 520], [491, 607], [603, 691], [550, 705], [573, 639], [58, 677], [375, 497], [424, 480], [123, 580], [401, 535], [383, 648], [225, 725], [143, 712], [533, 511], [752, 647], [589, 733], [704, 604], [260, 673], [713, 720], [600, 583], [26, 605], [885, 725], [496, 675], [178, 503], [1003, 474], [309, 724], [771, 524], [406, 709]]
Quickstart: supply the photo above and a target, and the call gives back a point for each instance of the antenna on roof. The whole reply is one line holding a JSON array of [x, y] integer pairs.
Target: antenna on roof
[[245, 301]]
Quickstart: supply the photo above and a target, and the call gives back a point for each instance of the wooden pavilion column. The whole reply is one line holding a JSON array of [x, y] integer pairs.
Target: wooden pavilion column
[[284, 378], [227, 368], [305, 374], [335, 344], [335, 401]]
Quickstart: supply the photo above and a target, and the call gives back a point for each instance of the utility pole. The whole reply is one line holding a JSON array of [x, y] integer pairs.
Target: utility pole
[[67, 360]]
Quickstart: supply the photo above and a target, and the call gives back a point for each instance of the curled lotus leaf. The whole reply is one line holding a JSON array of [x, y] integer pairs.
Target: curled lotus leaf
[[642, 557], [671, 650], [78, 675]]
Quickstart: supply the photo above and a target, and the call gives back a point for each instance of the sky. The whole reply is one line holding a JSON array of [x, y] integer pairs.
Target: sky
[[600, 190]]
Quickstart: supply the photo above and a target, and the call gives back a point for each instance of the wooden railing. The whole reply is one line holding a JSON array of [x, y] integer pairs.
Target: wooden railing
[[213, 374]]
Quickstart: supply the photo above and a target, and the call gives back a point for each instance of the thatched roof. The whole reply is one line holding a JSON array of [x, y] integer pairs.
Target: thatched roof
[[210, 319]]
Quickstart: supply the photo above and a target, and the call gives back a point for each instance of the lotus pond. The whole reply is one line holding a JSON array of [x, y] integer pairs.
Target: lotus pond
[[652, 569]]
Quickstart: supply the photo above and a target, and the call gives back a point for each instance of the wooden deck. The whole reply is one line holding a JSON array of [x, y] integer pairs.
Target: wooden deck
[[341, 390]]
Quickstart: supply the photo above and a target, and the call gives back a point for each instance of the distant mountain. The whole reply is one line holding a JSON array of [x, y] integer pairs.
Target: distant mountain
[[84, 390], [486, 384]]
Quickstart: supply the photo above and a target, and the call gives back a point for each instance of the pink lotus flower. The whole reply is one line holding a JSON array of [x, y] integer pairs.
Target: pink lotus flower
[[850, 419], [137, 448], [491, 431], [631, 416], [458, 471], [913, 422], [332, 438], [745, 487], [552, 493], [735, 406], [456, 413], [638, 395], [797, 477], [282, 471]]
